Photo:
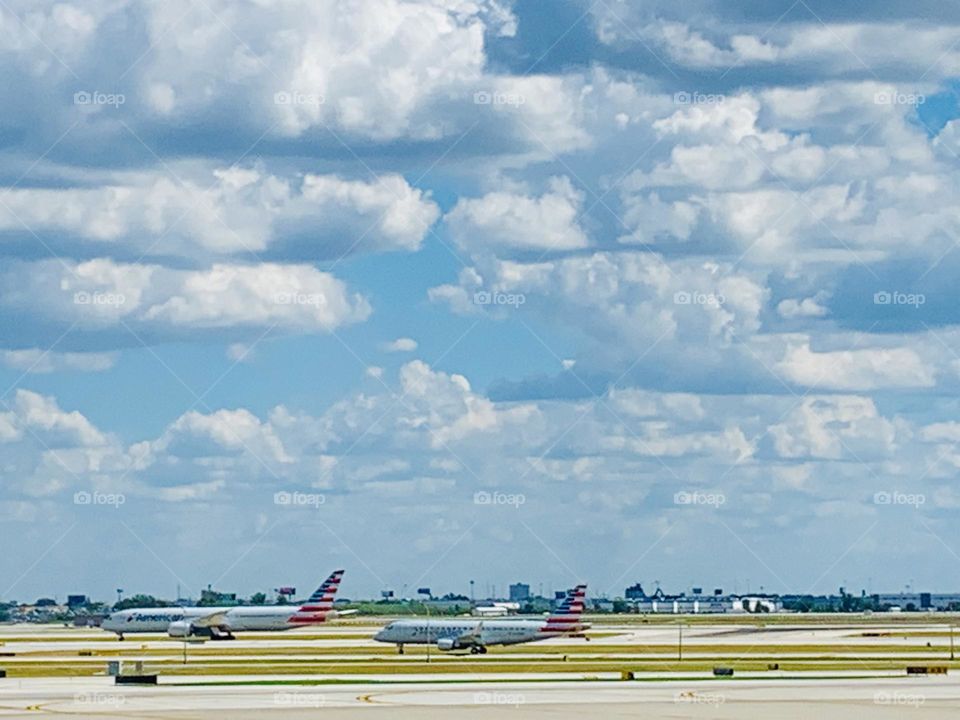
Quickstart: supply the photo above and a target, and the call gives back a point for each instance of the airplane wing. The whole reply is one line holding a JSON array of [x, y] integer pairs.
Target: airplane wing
[[471, 637], [217, 619]]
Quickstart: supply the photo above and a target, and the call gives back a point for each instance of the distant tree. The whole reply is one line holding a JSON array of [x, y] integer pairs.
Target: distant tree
[[139, 601], [4, 614], [258, 599], [45, 602]]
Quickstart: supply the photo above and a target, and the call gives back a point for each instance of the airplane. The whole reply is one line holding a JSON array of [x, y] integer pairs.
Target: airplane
[[219, 623], [463, 634]]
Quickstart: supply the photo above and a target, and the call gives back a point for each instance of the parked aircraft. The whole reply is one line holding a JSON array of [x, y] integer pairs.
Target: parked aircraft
[[219, 623]]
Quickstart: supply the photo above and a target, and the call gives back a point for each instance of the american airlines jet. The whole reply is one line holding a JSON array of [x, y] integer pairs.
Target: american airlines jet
[[465, 634], [219, 623]]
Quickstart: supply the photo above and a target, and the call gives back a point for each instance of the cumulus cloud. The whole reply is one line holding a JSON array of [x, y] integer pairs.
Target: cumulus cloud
[[865, 369], [833, 428], [627, 302], [793, 308], [42, 418], [228, 211], [104, 294], [403, 344], [224, 432], [504, 220]]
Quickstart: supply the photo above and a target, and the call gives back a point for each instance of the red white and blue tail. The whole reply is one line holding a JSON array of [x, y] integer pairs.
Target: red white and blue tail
[[566, 618], [320, 605]]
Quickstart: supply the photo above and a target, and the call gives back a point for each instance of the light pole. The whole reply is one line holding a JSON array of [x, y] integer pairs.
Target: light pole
[[429, 640]]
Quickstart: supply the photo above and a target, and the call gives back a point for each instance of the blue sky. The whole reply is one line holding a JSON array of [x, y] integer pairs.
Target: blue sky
[[438, 290]]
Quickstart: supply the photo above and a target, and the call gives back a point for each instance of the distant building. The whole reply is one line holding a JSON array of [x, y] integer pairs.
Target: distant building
[[919, 601], [74, 601], [210, 597], [635, 592], [88, 619], [519, 592]]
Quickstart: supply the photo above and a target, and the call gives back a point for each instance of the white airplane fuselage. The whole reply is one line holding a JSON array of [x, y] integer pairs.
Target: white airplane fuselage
[[485, 632], [240, 618]]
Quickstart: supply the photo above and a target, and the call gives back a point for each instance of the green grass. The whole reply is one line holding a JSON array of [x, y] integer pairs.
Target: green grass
[[447, 668], [226, 649]]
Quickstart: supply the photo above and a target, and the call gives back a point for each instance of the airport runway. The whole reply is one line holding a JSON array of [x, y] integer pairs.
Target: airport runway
[[929, 698], [786, 669]]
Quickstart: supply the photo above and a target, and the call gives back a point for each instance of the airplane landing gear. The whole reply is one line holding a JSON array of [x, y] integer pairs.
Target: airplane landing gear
[[399, 648], [478, 650]]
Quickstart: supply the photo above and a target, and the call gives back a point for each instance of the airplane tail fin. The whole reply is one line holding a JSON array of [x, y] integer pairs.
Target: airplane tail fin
[[566, 618], [319, 606]]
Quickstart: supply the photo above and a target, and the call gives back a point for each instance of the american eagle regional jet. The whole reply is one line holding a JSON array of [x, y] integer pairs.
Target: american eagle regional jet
[[466, 634], [219, 623]]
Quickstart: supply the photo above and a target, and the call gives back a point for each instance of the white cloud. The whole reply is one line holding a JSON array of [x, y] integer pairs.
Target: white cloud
[[832, 427], [866, 369], [810, 307], [449, 411], [41, 418], [239, 352], [296, 297], [948, 432], [35, 360], [651, 218], [403, 344], [799, 44], [223, 432], [504, 220], [235, 210], [103, 294], [629, 302]]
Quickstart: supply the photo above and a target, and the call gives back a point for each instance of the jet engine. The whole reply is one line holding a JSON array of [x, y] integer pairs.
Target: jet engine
[[447, 644], [180, 629]]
